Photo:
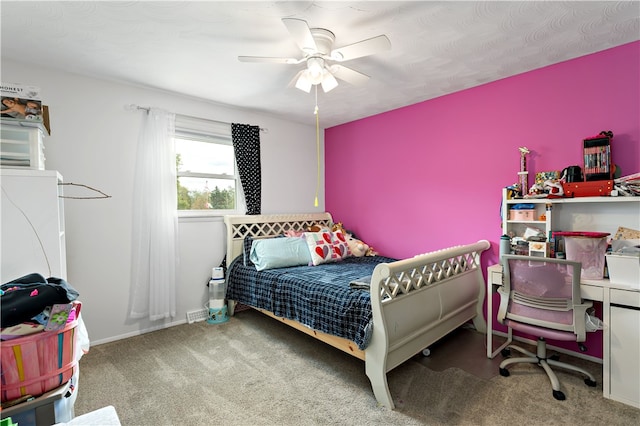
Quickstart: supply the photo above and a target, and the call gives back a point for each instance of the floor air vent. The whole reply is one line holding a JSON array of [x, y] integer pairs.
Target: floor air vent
[[199, 315]]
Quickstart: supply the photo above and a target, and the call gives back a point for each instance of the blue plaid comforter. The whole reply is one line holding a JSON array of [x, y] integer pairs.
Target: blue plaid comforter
[[317, 296]]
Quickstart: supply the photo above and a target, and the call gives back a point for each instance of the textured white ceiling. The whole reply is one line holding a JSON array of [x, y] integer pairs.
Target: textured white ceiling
[[438, 47]]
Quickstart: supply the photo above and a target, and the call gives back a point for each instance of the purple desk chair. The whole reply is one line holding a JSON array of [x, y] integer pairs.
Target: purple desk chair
[[541, 297]]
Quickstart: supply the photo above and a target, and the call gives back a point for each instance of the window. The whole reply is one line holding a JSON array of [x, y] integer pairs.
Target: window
[[208, 182]]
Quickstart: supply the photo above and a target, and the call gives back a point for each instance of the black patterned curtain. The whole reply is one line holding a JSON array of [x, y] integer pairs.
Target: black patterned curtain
[[246, 147]]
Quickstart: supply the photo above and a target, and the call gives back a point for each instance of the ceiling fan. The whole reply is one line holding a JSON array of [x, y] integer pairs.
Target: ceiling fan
[[323, 62]]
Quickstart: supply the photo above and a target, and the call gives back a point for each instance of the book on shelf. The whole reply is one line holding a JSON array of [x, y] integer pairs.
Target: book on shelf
[[597, 158]]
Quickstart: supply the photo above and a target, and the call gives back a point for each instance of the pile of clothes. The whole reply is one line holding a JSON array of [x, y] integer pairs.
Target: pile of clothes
[[31, 304]]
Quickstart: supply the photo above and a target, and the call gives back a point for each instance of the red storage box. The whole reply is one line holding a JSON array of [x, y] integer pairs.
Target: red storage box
[[35, 364], [588, 189]]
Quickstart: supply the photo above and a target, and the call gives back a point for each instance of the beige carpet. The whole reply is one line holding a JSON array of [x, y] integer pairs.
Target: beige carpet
[[254, 370]]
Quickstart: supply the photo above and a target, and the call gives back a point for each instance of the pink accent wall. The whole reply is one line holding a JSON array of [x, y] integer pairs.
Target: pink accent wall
[[430, 175]]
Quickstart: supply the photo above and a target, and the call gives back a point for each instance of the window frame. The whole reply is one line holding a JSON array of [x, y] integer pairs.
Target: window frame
[[208, 131]]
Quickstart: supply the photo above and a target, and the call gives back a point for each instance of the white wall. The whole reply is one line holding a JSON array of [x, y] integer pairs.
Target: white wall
[[93, 142]]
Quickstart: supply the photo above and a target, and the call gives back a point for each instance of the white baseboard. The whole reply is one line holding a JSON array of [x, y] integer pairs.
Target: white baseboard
[[137, 332]]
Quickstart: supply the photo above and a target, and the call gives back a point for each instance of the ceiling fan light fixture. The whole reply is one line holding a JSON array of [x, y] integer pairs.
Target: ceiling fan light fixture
[[329, 82], [303, 83], [315, 74], [315, 70], [316, 45]]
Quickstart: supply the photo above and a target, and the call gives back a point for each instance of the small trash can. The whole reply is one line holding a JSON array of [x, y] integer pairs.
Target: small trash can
[[218, 312]]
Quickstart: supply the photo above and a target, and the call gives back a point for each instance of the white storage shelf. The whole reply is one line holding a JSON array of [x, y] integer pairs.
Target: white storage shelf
[[596, 214], [22, 146]]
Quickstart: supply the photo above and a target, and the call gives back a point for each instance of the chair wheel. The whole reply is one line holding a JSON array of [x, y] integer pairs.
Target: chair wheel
[[504, 372], [590, 382], [559, 395], [505, 352]]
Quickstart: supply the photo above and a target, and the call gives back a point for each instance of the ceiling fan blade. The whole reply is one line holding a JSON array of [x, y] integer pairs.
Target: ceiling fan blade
[[347, 74], [361, 48], [301, 34], [269, 59]]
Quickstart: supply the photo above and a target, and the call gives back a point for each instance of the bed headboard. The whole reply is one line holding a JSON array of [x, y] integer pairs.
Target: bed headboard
[[267, 225]]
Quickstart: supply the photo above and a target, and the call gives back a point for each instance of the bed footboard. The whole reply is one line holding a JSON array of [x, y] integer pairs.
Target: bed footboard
[[417, 301]]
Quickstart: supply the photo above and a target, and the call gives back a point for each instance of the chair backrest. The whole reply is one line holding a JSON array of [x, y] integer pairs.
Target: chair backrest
[[543, 292]]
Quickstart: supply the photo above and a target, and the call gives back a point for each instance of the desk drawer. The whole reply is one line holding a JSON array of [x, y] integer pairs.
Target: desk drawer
[[592, 292], [625, 297]]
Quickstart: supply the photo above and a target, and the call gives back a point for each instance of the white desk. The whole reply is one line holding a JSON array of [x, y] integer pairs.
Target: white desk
[[621, 335]]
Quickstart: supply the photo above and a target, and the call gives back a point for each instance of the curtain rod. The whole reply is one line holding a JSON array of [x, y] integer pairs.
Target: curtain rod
[[132, 107]]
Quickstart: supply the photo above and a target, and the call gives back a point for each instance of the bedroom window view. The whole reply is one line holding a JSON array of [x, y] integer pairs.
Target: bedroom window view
[[206, 173]]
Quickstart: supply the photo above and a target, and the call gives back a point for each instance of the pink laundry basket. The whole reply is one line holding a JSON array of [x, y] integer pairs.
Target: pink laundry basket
[[38, 363]]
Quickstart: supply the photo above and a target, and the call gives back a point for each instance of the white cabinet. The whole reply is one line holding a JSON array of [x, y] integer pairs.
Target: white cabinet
[[623, 335], [32, 224], [22, 145]]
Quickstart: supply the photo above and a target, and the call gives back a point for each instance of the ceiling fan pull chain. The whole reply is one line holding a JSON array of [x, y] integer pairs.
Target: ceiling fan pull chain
[[315, 111]]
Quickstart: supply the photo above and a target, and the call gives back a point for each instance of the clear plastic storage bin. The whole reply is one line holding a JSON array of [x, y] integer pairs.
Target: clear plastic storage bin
[[588, 248]]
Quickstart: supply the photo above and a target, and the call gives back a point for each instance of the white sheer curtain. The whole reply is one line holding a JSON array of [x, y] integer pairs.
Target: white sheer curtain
[[155, 220]]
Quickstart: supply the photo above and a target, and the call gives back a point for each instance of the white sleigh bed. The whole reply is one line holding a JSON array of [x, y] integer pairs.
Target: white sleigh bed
[[414, 302]]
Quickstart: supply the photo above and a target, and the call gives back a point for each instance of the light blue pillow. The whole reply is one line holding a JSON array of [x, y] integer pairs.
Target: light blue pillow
[[273, 253]]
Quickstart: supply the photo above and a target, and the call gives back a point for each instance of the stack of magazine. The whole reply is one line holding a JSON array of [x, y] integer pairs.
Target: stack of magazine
[[20, 102], [628, 185]]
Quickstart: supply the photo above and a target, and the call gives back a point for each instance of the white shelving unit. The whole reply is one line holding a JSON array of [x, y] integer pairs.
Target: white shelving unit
[[22, 145], [517, 228], [32, 226], [592, 214]]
